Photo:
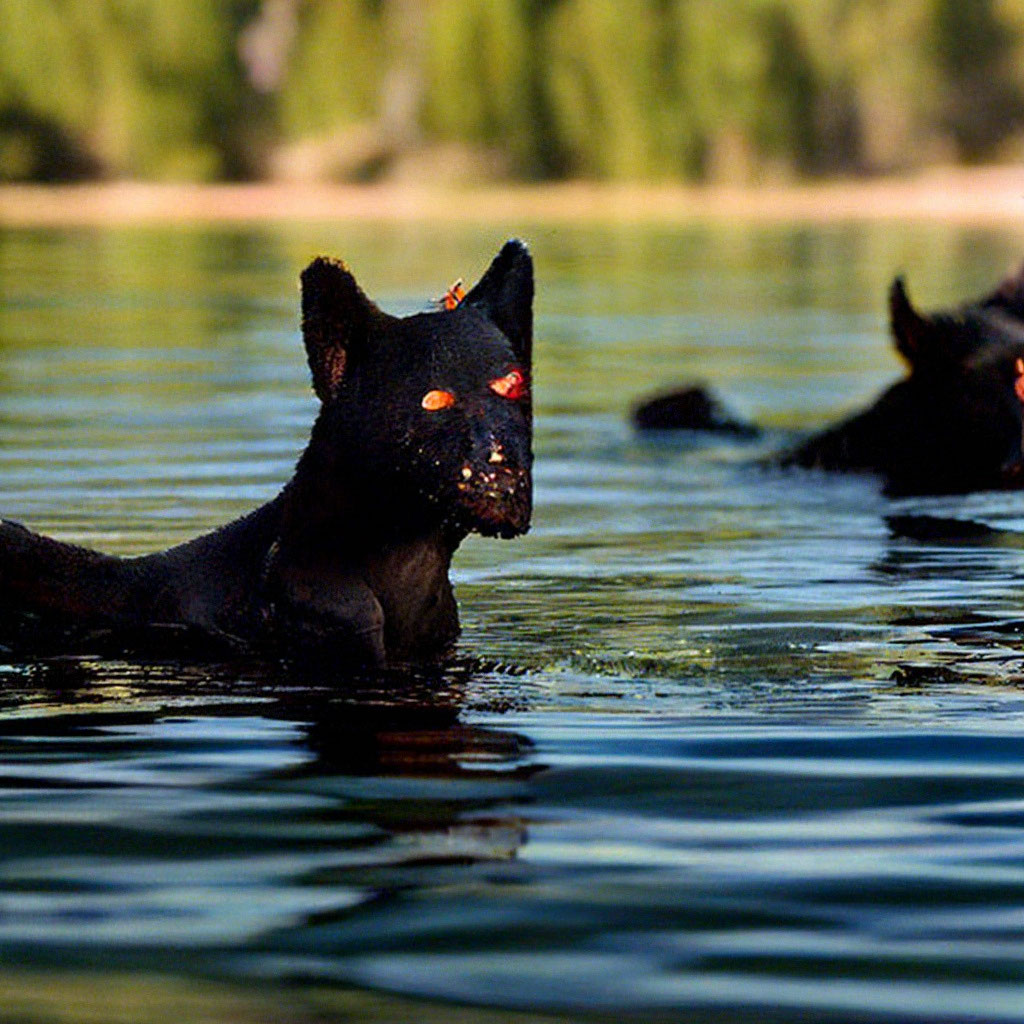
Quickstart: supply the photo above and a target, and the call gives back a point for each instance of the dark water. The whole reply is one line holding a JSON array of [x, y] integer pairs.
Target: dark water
[[721, 747]]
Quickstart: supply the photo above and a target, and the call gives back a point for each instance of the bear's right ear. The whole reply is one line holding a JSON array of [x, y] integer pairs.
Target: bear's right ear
[[336, 321], [505, 295], [910, 330]]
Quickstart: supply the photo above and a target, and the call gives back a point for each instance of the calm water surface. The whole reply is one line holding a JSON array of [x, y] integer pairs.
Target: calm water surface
[[720, 746]]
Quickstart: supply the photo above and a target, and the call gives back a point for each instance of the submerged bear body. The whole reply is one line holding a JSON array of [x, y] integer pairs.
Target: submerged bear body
[[951, 425], [423, 436]]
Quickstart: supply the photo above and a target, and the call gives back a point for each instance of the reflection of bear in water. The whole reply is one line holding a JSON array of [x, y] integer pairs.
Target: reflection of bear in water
[[953, 424], [423, 436]]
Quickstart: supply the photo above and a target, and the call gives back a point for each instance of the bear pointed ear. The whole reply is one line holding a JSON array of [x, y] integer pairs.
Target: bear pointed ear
[[336, 321], [505, 296], [910, 329]]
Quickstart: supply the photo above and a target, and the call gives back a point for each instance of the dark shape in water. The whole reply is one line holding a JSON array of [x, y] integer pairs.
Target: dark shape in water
[[953, 424], [689, 408], [943, 530], [350, 561]]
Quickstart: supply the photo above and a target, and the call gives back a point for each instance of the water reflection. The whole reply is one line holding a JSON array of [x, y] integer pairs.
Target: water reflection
[[165, 808]]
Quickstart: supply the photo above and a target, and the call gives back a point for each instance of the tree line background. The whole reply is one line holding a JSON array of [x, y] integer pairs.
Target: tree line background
[[741, 90]]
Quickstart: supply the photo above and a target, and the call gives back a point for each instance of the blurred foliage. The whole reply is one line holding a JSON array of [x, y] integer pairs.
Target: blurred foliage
[[334, 69], [478, 75], [151, 88], [646, 89]]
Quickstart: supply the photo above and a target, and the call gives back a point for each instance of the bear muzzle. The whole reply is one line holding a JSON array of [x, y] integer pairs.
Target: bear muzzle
[[494, 498]]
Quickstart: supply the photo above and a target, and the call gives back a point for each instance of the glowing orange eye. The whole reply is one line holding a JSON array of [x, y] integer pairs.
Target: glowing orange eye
[[512, 386], [434, 400]]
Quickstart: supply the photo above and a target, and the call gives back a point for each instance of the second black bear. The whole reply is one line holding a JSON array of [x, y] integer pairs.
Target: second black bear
[[951, 425], [423, 436]]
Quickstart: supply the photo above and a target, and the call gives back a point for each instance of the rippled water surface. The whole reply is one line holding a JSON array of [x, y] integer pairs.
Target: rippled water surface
[[719, 747]]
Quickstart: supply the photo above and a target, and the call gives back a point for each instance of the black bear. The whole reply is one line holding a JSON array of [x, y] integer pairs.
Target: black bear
[[952, 425], [424, 435]]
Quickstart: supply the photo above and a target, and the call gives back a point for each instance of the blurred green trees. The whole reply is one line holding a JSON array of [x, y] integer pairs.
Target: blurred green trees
[[151, 88], [614, 89]]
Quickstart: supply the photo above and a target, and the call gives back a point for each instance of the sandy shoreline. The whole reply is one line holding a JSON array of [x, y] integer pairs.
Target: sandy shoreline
[[984, 196]]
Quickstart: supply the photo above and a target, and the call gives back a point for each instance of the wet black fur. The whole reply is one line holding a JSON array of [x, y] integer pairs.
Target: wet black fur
[[952, 425], [351, 559]]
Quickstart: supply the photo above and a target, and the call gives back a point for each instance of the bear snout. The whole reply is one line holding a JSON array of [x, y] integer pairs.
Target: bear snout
[[495, 498]]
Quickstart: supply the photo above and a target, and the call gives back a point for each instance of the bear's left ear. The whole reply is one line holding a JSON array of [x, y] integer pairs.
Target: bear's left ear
[[911, 331], [505, 296], [337, 319]]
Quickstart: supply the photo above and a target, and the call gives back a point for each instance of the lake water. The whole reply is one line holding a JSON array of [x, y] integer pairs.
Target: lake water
[[719, 747]]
